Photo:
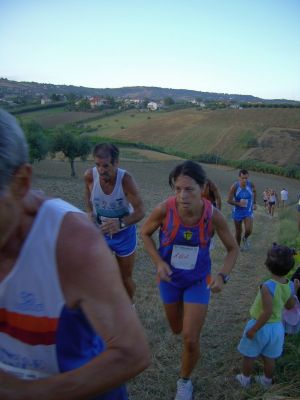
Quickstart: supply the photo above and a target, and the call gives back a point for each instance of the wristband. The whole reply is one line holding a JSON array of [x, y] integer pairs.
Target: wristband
[[224, 277]]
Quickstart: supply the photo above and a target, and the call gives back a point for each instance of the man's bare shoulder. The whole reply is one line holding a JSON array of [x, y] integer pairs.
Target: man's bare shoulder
[[88, 174]]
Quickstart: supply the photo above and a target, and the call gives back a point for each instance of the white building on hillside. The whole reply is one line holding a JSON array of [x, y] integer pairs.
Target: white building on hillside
[[152, 106]]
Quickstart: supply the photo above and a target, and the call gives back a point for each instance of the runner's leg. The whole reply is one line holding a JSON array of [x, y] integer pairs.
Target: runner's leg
[[126, 265]]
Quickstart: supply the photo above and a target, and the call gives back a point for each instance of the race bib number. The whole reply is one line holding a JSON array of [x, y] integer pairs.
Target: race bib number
[[244, 202], [184, 257]]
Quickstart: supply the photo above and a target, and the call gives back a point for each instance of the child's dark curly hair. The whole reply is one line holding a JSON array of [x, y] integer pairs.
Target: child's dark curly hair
[[280, 259]]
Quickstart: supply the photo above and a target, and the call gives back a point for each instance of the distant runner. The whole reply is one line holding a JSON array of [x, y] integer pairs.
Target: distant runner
[[284, 197], [242, 196], [273, 201]]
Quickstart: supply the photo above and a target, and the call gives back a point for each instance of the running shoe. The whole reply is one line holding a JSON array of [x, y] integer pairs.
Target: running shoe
[[184, 390], [246, 244], [243, 380], [263, 381]]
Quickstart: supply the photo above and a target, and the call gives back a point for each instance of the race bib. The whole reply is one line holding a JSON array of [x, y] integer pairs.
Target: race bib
[[21, 373], [244, 202], [184, 257], [101, 219]]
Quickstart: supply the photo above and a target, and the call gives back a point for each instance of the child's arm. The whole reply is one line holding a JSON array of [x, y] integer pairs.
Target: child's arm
[[267, 304], [291, 301]]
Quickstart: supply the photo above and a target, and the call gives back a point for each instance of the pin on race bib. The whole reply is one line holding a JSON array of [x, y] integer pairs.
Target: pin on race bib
[[184, 257]]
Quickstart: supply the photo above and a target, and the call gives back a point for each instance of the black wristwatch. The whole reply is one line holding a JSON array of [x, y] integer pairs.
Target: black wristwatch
[[122, 223], [224, 277]]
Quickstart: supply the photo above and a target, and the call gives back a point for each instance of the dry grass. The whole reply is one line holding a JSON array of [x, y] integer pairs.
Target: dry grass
[[228, 311]]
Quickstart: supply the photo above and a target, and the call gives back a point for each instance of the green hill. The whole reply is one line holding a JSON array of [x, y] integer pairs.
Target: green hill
[[263, 134], [269, 135]]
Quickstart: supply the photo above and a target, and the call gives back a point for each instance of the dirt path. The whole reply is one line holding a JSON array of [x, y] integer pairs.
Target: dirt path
[[228, 311]]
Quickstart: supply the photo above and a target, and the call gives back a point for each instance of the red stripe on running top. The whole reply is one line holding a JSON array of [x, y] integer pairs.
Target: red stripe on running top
[[27, 328]]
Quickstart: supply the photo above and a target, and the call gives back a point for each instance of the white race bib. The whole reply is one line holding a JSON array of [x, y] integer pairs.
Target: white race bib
[[184, 257], [27, 374], [244, 202]]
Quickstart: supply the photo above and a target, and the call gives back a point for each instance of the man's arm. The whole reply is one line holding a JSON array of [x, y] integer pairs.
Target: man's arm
[[90, 280], [254, 195], [88, 182], [230, 199], [131, 191]]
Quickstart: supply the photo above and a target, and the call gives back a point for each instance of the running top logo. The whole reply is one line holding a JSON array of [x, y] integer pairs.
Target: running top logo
[[188, 235]]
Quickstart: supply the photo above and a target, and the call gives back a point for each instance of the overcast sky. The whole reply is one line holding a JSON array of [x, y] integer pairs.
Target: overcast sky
[[225, 46]]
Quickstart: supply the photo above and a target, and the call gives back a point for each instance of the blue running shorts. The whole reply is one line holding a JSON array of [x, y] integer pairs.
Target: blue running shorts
[[197, 293], [123, 243]]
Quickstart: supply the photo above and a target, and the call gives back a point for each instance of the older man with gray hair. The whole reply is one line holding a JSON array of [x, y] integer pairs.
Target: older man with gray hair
[[67, 327]]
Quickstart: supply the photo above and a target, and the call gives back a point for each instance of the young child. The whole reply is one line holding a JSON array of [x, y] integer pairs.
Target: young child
[[264, 333]]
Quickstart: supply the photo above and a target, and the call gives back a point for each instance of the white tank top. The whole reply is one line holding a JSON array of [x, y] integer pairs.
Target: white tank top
[[114, 205], [31, 299]]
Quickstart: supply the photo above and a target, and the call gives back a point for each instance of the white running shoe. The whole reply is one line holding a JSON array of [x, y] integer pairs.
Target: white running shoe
[[184, 390], [246, 244], [263, 381], [243, 380]]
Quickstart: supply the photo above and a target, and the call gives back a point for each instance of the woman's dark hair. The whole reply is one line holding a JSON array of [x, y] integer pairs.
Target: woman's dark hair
[[280, 259], [188, 168], [104, 150]]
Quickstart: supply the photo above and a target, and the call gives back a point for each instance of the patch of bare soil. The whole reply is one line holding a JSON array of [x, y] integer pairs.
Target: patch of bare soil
[[277, 145]]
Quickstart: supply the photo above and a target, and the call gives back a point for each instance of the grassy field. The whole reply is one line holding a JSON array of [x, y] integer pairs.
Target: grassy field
[[54, 117], [228, 310], [225, 132]]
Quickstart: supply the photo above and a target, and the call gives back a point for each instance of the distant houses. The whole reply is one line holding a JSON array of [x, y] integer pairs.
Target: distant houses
[[152, 106], [96, 101], [46, 100]]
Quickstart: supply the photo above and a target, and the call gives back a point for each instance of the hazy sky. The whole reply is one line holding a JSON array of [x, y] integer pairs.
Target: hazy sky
[[225, 46]]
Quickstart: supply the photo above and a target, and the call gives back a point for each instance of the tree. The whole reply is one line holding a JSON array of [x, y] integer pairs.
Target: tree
[[84, 104], [145, 102], [38, 142], [168, 101], [71, 146], [55, 97]]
